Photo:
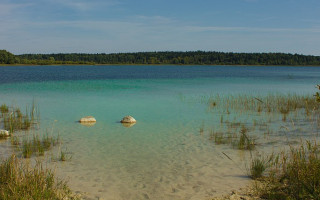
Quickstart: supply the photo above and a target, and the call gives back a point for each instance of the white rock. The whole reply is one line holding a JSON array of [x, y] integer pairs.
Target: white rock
[[128, 119], [4, 133], [87, 119]]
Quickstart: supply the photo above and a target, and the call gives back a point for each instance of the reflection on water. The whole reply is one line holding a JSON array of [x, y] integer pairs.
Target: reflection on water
[[128, 125], [88, 124]]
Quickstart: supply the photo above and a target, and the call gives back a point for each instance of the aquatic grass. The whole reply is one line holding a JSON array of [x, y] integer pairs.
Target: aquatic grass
[[38, 146], [220, 138], [15, 141], [217, 137], [270, 103], [201, 129], [259, 109], [294, 174], [257, 168], [21, 181], [213, 104], [47, 141], [221, 119], [245, 142], [15, 120], [27, 149], [4, 109], [63, 156], [259, 164]]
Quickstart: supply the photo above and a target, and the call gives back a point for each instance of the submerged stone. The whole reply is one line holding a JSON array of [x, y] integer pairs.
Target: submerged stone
[[128, 119], [88, 119], [4, 133]]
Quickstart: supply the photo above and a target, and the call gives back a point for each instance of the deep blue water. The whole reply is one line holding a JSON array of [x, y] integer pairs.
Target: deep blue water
[[15, 74]]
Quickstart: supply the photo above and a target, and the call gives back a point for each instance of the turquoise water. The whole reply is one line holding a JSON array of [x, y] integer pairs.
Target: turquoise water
[[163, 156]]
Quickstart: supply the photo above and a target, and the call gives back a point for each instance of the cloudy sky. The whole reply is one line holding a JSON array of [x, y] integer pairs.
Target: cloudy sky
[[111, 26]]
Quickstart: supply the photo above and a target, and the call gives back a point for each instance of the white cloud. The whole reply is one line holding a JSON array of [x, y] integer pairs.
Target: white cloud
[[148, 33], [9, 9], [82, 5], [248, 29]]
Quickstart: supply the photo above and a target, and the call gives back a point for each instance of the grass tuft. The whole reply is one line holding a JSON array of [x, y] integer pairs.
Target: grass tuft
[[245, 141], [257, 167], [38, 146], [20, 181], [14, 120], [291, 175], [4, 109]]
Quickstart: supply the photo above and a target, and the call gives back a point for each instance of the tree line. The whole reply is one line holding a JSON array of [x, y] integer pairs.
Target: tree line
[[167, 57]]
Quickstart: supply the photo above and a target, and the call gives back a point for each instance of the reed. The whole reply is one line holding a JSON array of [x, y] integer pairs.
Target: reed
[[38, 146], [294, 174], [268, 104], [14, 120], [4, 109], [257, 168], [21, 181], [27, 149], [63, 156], [245, 141], [217, 137]]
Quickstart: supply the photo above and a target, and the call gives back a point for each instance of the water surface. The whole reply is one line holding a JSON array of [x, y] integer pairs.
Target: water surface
[[163, 156]]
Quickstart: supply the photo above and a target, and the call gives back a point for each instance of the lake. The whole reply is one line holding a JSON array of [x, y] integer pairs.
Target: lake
[[165, 155]]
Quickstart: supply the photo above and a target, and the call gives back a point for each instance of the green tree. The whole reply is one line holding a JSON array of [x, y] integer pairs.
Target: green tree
[[7, 57]]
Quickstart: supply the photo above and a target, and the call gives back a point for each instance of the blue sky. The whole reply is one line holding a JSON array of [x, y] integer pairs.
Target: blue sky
[[111, 26]]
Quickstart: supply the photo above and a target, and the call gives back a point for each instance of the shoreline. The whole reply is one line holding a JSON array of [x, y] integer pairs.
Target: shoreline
[[34, 65]]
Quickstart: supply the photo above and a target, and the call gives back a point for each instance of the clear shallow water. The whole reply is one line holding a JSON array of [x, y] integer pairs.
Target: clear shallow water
[[163, 156]]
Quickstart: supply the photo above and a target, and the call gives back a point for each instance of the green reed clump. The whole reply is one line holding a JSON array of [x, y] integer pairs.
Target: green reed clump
[[15, 120], [220, 137], [20, 181], [270, 103], [47, 142], [4, 109], [242, 142], [294, 174], [63, 156], [38, 146], [245, 142], [258, 166], [217, 137], [27, 149]]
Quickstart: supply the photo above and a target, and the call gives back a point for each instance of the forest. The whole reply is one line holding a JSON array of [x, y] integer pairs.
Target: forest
[[166, 58]]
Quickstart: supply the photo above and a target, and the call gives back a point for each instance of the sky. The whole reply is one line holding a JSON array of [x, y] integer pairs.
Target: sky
[[114, 26]]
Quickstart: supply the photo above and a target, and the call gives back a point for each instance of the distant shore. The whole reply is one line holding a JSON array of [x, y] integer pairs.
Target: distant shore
[[33, 65], [162, 58]]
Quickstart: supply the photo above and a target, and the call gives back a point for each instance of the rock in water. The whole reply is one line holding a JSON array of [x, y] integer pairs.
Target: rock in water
[[128, 119], [4, 133], [88, 119]]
